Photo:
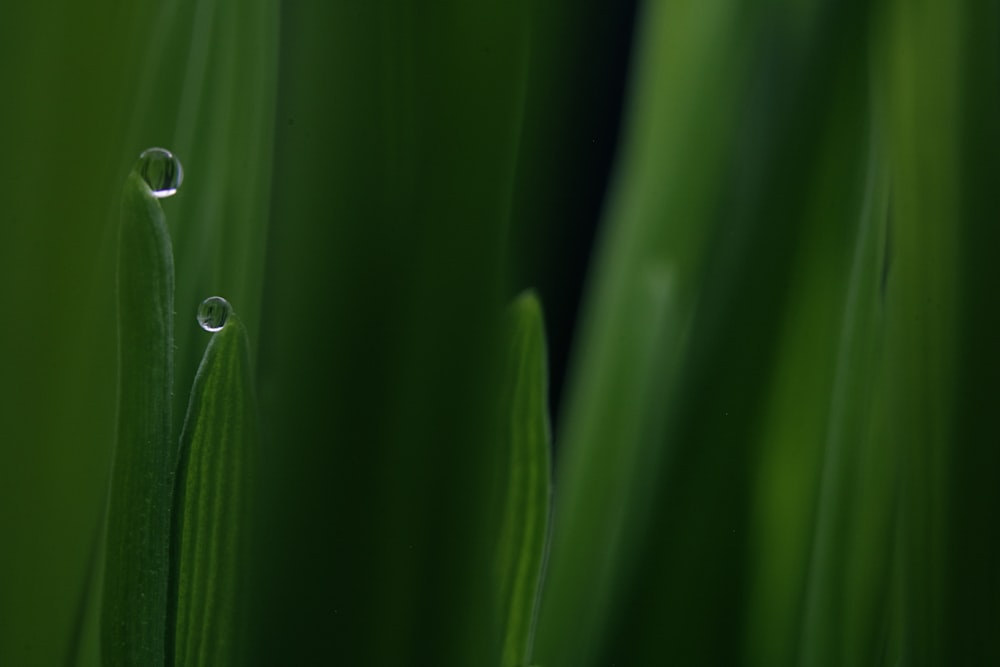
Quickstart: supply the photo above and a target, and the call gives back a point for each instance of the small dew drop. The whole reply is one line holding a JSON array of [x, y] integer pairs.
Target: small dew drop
[[161, 171], [213, 313]]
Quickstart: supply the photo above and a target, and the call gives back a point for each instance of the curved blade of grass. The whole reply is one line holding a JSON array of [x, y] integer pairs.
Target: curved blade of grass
[[135, 583], [521, 552], [636, 317], [708, 202], [216, 478]]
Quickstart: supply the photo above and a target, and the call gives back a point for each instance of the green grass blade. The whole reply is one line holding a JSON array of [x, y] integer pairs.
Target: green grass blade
[[703, 227], [216, 479], [521, 551], [922, 48], [816, 447], [135, 587], [851, 542], [637, 315]]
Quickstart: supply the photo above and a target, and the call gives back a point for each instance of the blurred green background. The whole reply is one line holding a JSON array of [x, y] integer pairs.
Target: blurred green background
[[764, 236]]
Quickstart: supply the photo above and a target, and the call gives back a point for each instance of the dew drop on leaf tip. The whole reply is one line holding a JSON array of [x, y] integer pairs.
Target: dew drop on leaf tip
[[161, 171], [213, 313]]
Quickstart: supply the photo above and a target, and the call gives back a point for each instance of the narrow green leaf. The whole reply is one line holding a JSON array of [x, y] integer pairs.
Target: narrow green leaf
[[817, 448], [135, 583], [216, 479], [521, 552], [648, 277], [922, 60], [853, 509]]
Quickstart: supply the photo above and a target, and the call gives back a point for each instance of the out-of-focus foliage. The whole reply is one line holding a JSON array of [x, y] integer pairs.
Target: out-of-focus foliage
[[774, 442]]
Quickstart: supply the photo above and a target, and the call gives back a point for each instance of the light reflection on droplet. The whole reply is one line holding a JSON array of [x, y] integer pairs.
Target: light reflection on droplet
[[161, 171], [213, 313]]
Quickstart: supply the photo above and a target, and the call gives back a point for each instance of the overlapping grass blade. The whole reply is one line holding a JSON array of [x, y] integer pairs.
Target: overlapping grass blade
[[208, 91], [216, 489], [521, 552], [817, 444], [710, 202], [643, 293], [135, 581], [853, 523]]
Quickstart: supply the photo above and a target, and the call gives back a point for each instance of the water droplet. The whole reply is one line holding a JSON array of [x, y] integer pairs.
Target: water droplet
[[161, 171], [213, 313]]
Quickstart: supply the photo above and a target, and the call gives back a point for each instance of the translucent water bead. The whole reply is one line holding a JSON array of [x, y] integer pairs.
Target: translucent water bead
[[213, 313], [161, 171]]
